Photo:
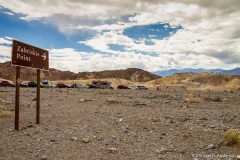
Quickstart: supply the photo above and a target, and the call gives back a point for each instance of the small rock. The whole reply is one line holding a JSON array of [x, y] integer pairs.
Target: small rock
[[120, 120], [53, 140], [210, 146], [163, 134], [112, 150], [184, 107], [29, 125], [85, 140], [43, 158], [112, 100], [82, 100], [212, 126], [161, 150], [186, 100], [154, 119], [74, 138]]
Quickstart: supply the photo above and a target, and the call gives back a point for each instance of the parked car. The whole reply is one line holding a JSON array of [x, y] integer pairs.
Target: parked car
[[122, 87], [62, 85], [23, 85], [76, 85], [133, 87], [46, 83], [142, 87], [7, 84], [32, 84], [101, 85]]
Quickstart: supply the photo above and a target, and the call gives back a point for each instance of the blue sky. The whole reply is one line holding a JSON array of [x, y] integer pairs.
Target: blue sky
[[101, 35]]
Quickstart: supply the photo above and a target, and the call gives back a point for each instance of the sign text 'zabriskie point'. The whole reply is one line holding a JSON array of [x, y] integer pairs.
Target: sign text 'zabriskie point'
[[29, 56]]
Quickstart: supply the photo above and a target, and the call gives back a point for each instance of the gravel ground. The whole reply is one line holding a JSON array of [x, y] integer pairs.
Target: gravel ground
[[94, 124]]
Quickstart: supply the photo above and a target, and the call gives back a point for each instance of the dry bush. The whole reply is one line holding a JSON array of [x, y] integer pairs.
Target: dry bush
[[232, 138], [207, 96], [4, 113], [192, 99], [112, 100], [1, 95], [195, 100], [69, 92], [168, 95], [1, 107], [218, 99]]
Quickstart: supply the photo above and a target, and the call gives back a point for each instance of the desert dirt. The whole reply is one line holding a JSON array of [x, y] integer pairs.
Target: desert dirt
[[97, 124]]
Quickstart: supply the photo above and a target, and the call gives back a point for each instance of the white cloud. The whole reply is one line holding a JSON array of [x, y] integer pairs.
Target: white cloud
[[69, 59], [210, 35], [6, 40], [5, 51], [8, 13]]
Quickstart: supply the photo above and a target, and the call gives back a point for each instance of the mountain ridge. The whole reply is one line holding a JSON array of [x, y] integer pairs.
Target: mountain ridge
[[7, 71], [164, 73]]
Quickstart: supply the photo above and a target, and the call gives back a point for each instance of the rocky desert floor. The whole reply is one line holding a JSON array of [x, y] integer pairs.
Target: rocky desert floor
[[96, 124]]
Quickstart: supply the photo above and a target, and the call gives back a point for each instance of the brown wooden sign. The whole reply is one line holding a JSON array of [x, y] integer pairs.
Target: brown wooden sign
[[29, 56], [25, 55]]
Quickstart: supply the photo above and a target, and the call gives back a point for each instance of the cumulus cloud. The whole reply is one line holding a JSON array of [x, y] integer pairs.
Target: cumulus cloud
[[5, 40], [5, 48], [210, 33]]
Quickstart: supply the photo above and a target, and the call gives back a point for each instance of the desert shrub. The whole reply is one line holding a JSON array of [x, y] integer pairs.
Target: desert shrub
[[1, 107], [207, 96], [69, 92], [1, 95], [4, 113], [112, 100], [232, 138], [193, 99], [218, 99]]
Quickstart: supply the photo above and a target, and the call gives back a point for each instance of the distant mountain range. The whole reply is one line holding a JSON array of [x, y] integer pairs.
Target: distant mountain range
[[235, 71]]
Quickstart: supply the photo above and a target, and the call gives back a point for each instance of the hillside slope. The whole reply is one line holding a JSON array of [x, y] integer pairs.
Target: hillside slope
[[199, 79], [28, 74]]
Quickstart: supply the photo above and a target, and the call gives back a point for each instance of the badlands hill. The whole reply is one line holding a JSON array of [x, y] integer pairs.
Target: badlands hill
[[132, 74], [199, 80]]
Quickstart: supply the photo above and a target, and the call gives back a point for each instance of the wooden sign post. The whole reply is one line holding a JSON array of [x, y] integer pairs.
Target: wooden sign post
[[25, 55], [17, 97]]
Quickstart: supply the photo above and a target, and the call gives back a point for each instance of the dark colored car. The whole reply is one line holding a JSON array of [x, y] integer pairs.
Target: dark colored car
[[122, 87], [93, 86], [62, 85], [6, 84], [32, 84], [142, 87], [23, 85]]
